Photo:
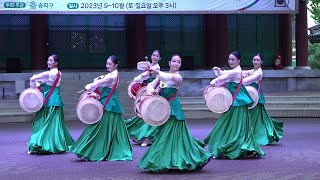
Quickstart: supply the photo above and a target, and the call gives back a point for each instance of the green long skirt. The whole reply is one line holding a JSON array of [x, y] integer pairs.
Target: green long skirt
[[266, 129], [139, 130], [232, 135], [174, 148], [105, 140], [49, 133]]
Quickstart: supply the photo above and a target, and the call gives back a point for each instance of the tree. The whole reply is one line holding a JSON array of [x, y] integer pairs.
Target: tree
[[314, 55], [314, 49], [315, 10]]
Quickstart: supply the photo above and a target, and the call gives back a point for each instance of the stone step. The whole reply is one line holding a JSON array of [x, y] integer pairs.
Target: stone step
[[190, 113], [74, 117], [274, 104], [193, 107], [13, 117], [273, 112], [267, 98]]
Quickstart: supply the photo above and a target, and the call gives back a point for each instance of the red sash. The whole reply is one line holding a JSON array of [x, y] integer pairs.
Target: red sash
[[173, 96], [237, 90], [259, 87], [52, 88], [111, 92]]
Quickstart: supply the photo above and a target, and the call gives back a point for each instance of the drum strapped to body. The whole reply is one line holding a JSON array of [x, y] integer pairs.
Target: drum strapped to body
[[133, 89], [218, 99], [141, 94], [254, 96], [89, 109], [154, 110], [31, 99]]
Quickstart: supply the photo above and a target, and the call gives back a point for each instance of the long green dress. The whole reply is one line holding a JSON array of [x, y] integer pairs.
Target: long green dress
[[174, 148], [138, 129], [232, 135], [49, 133], [266, 129], [107, 139]]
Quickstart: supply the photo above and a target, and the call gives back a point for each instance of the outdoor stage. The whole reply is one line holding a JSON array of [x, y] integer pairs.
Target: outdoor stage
[[296, 156]]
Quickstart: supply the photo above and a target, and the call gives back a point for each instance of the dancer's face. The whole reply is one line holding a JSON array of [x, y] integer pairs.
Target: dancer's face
[[175, 63], [233, 61], [51, 63], [110, 65], [256, 61], [155, 57]]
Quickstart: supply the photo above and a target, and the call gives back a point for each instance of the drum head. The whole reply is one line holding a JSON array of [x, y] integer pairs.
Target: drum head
[[31, 100], [155, 110], [218, 99], [133, 89], [89, 110], [254, 96]]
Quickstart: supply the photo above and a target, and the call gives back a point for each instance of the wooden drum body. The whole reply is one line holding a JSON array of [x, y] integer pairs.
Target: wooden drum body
[[133, 89]]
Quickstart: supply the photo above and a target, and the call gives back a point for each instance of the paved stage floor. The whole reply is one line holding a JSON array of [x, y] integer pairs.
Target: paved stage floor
[[296, 156]]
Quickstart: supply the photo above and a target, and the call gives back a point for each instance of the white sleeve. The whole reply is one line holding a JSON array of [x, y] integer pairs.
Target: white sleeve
[[166, 77], [41, 76], [141, 77], [52, 76], [218, 72], [246, 73], [152, 86], [94, 85], [155, 67], [225, 77], [143, 65], [252, 78]]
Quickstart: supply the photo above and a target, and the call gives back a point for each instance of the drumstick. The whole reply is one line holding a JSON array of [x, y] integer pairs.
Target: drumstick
[[80, 91], [204, 88], [207, 87]]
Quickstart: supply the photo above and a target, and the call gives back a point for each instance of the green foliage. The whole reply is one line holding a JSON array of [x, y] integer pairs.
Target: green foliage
[[314, 49], [315, 10], [314, 55]]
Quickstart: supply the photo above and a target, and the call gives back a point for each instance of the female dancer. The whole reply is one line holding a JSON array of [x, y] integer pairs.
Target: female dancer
[[138, 130], [107, 139], [232, 135], [174, 148], [49, 133], [266, 129]]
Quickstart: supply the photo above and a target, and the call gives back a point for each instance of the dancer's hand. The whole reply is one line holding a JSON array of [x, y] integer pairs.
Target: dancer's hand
[[154, 71], [215, 68]]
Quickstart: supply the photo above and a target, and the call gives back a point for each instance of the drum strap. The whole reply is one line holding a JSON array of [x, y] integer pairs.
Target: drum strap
[[52, 88], [174, 96], [111, 92], [237, 90], [259, 87]]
